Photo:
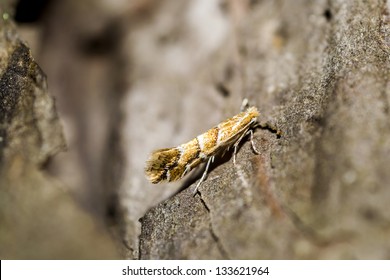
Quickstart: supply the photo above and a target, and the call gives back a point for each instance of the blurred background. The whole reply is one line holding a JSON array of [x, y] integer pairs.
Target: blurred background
[[128, 77], [131, 76]]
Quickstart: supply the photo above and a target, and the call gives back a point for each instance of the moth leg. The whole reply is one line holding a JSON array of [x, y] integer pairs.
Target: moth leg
[[234, 154], [211, 159], [253, 144], [238, 143], [250, 131]]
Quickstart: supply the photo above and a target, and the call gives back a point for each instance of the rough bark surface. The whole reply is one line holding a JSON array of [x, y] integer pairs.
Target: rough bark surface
[[133, 76], [319, 70], [38, 219]]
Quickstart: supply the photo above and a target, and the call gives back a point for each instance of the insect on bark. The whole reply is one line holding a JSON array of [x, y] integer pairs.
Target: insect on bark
[[171, 164]]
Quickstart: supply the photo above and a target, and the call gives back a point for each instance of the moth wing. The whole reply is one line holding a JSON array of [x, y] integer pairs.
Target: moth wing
[[158, 162], [232, 139]]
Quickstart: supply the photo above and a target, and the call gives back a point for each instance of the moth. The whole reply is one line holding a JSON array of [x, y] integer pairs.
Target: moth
[[171, 164]]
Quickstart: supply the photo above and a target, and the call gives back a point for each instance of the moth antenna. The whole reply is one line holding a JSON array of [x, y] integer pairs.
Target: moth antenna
[[244, 104]]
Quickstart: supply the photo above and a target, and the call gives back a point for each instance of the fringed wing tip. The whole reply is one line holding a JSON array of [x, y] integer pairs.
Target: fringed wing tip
[[159, 163]]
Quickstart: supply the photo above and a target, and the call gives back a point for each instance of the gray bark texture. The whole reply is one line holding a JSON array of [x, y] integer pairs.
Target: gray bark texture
[[38, 220], [142, 75], [319, 71]]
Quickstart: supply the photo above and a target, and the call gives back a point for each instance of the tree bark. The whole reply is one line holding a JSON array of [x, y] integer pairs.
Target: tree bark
[[38, 220], [147, 74], [319, 71]]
